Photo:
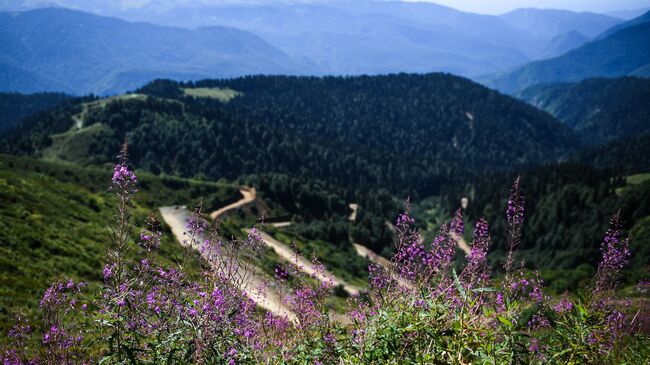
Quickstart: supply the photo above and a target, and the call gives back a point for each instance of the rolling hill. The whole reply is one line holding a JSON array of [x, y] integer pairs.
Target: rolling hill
[[600, 110], [63, 50], [400, 132]]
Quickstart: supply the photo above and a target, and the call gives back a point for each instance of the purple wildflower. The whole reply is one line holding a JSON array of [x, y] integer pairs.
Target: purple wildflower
[[533, 345], [123, 177], [281, 273], [538, 321], [515, 211], [615, 252], [515, 219], [563, 306], [477, 272]]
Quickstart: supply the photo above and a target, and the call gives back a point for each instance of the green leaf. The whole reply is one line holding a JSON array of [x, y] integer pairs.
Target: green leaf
[[505, 321], [581, 310], [483, 290]]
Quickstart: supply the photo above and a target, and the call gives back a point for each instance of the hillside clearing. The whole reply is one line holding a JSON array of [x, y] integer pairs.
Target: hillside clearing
[[224, 95]]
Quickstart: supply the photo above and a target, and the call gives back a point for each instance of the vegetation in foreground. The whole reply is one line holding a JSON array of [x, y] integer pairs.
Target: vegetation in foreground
[[54, 219], [419, 309]]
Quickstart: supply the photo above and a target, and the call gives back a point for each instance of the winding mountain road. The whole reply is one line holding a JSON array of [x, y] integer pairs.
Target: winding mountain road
[[249, 195]]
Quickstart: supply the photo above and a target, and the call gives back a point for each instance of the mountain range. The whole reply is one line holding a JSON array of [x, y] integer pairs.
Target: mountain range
[[80, 53], [90, 50]]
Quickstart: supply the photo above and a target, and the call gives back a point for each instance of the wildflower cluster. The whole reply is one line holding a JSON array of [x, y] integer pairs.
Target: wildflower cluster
[[419, 308]]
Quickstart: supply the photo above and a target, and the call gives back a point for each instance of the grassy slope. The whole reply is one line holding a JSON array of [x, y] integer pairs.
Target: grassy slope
[[53, 224], [222, 94]]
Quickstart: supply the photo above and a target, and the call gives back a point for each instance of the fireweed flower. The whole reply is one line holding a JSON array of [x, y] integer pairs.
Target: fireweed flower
[[281, 273], [123, 177], [150, 237], [515, 210], [108, 272], [477, 272], [377, 278], [564, 305], [538, 321], [536, 292], [124, 180], [515, 219], [533, 345], [500, 303], [615, 252]]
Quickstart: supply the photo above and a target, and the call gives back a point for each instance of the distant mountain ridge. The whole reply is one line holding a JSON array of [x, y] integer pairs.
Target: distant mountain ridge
[[79, 53], [563, 42], [463, 43], [549, 23], [625, 52], [294, 38], [643, 18]]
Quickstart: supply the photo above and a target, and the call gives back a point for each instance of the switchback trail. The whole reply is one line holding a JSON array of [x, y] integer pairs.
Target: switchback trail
[[249, 195]]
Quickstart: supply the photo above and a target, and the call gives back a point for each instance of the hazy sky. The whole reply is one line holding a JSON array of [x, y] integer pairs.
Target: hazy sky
[[502, 6], [475, 6]]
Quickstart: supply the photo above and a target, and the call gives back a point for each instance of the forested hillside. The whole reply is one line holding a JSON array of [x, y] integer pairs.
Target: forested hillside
[[15, 107], [625, 155], [314, 145], [600, 110], [405, 133], [558, 236]]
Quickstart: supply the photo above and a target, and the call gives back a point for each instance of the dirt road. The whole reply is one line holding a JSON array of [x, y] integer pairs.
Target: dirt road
[[280, 224], [268, 298], [354, 207], [287, 254], [364, 251], [249, 196]]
